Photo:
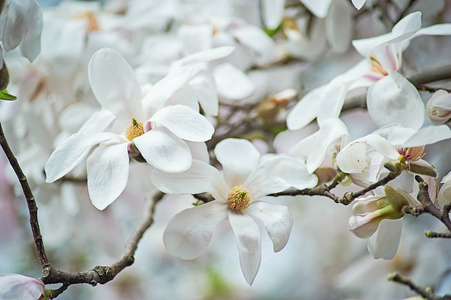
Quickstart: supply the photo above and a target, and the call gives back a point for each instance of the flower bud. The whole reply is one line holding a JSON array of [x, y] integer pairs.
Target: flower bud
[[270, 107], [438, 108]]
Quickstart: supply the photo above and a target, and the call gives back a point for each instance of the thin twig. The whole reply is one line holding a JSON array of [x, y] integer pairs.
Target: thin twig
[[425, 293], [433, 235], [31, 203]]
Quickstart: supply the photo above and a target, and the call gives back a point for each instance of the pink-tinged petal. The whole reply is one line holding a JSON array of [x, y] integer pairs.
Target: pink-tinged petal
[[204, 88], [306, 109], [31, 42], [107, 169], [189, 232], [197, 179], [393, 99], [428, 135], [339, 25], [19, 287], [238, 158], [184, 122], [384, 243], [358, 3], [114, 84], [247, 236], [204, 56], [164, 150], [71, 152], [232, 83], [277, 220], [273, 12], [364, 226], [353, 158], [158, 94], [365, 205], [318, 7], [332, 132]]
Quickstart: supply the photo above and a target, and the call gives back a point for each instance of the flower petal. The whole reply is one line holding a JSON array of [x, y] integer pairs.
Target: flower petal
[[393, 99], [428, 135], [273, 12], [238, 158], [353, 158], [184, 122], [71, 152], [15, 286], [306, 110], [358, 3], [247, 235], [232, 83], [107, 169], [31, 42], [339, 25], [204, 56], [204, 87], [319, 7], [384, 243], [164, 150], [189, 232], [114, 83], [277, 220]]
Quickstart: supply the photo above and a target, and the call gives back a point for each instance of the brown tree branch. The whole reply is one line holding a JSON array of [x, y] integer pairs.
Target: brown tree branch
[[103, 274], [425, 293], [31, 203]]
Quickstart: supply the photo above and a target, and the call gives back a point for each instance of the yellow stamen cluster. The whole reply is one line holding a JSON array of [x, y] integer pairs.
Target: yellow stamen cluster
[[412, 153], [238, 198], [134, 130], [376, 67]]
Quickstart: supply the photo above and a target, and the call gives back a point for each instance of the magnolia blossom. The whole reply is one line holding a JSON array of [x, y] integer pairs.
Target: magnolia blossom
[[371, 217], [444, 195], [21, 24], [438, 108], [15, 286], [158, 132], [391, 98], [237, 191]]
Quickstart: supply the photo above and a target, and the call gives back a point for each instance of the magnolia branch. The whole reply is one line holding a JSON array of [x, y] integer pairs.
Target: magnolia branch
[[103, 274], [425, 293], [427, 206], [31, 203]]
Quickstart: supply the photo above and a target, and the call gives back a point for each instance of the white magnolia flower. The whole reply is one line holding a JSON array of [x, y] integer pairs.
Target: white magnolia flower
[[444, 195], [21, 24], [126, 118], [15, 286], [237, 190], [438, 108], [391, 98]]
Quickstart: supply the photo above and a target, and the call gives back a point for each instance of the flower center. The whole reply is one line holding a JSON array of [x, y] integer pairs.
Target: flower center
[[134, 130], [412, 153], [238, 198], [376, 67]]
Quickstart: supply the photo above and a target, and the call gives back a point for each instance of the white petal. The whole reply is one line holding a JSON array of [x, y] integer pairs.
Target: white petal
[[71, 152], [14, 16], [189, 232], [406, 27], [232, 83], [184, 122], [318, 7], [429, 135], [339, 25], [277, 220], [393, 99], [31, 42], [238, 158], [199, 151], [384, 243], [195, 38], [204, 87], [353, 159], [257, 40], [306, 109], [164, 151], [204, 56], [197, 179], [114, 83], [332, 132], [334, 96], [273, 12], [107, 169], [19, 287], [358, 3], [294, 172], [439, 29], [247, 235]]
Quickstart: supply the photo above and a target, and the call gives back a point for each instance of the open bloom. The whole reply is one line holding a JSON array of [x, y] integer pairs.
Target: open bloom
[[15, 286], [237, 190], [391, 98], [160, 133]]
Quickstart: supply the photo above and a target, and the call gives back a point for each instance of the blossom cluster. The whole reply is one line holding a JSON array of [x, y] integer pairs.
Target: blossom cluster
[[121, 101]]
